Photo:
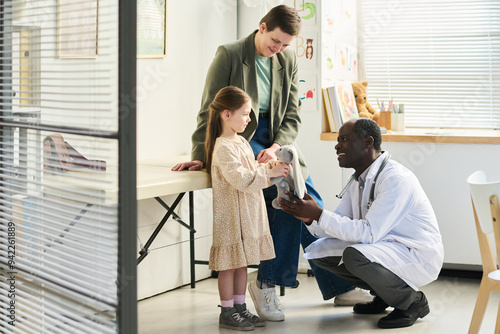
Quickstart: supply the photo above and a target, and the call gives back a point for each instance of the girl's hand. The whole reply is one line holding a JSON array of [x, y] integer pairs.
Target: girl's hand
[[279, 170]]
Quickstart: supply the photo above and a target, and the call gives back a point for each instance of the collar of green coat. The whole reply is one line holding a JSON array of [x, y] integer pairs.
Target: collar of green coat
[[250, 84]]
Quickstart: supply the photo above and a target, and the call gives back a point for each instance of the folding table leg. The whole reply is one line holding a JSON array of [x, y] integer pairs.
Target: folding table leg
[[145, 250]]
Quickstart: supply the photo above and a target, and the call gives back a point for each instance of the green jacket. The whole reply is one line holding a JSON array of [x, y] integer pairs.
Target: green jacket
[[234, 64]]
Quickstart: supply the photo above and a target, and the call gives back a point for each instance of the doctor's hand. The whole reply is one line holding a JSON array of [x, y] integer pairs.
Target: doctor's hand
[[305, 209], [190, 165]]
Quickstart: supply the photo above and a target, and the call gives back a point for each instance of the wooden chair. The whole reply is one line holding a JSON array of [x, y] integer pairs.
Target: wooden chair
[[486, 209]]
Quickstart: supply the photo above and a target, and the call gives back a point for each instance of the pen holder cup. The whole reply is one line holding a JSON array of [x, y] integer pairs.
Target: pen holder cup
[[385, 119], [398, 122]]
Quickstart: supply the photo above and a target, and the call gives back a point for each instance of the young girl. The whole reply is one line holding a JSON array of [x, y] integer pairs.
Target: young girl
[[241, 235]]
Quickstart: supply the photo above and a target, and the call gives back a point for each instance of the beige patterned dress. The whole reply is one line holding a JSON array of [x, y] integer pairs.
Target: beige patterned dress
[[241, 235]]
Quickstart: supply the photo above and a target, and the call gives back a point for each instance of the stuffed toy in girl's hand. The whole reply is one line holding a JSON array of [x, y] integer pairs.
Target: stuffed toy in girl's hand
[[294, 181]]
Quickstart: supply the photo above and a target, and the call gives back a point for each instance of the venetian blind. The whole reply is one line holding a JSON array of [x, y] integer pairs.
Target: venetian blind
[[60, 167], [441, 59]]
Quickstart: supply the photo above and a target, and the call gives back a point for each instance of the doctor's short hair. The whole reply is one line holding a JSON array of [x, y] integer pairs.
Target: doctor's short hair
[[283, 17], [365, 127]]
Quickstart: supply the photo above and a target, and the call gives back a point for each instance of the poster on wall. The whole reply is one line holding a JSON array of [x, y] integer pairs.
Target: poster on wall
[[77, 28], [347, 61], [307, 11], [308, 92], [348, 15], [328, 15], [307, 50], [329, 62], [151, 28]]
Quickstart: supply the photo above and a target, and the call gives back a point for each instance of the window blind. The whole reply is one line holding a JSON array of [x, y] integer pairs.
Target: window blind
[[441, 59], [61, 144]]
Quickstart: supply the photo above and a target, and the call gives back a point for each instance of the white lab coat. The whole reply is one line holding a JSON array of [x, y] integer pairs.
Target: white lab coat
[[399, 231]]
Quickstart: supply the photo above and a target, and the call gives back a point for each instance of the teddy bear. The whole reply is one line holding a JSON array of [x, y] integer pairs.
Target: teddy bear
[[294, 180], [364, 108]]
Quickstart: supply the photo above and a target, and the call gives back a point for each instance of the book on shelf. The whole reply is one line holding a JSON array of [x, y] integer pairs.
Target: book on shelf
[[330, 125], [342, 104]]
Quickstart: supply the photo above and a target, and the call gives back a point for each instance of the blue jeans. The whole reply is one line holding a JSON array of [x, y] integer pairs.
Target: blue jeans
[[288, 234]]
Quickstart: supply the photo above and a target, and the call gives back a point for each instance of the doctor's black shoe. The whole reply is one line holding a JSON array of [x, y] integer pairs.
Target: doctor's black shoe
[[376, 306], [401, 318]]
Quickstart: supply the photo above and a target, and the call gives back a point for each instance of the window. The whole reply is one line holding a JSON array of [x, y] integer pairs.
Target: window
[[441, 59], [67, 167]]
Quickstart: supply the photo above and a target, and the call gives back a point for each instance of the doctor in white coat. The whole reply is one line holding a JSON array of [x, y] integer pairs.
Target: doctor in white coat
[[383, 236]]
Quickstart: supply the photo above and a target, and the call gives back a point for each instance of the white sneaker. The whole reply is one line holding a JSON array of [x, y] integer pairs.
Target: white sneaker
[[266, 302], [351, 298]]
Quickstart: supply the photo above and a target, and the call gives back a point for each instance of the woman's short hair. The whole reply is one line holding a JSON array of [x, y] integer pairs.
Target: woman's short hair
[[283, 17]]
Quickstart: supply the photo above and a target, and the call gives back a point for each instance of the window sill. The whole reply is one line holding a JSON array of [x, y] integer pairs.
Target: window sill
[[421, 135]]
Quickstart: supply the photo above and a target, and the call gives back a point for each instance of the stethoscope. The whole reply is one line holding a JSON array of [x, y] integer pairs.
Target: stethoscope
[[372, 189]]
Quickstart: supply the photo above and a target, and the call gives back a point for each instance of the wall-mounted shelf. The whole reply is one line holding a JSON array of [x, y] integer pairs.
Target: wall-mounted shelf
[[421, 135]]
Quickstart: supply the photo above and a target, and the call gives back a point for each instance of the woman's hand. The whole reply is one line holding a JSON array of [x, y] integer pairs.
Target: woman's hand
[[267, 154], [190, 165]]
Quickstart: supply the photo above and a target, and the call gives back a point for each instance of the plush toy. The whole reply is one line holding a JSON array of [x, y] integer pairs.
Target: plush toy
[[364, 108], [294, 180]]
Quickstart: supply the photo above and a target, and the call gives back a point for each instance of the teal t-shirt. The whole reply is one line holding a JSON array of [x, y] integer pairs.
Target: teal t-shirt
[[263, 65]]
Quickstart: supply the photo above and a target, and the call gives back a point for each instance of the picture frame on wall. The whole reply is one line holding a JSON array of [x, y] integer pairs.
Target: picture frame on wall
[[151, 28], [77, 28]]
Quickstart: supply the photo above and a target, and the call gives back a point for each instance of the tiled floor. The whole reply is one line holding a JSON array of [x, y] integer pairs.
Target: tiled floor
[[186, 310]]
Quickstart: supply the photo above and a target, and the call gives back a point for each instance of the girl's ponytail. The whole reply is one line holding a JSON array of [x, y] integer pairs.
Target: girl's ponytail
[[228, 98]]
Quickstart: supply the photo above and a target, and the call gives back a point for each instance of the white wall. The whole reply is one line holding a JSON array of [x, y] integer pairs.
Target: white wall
[[168, 100], [167, 110], [169, 89], [443, 170]]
